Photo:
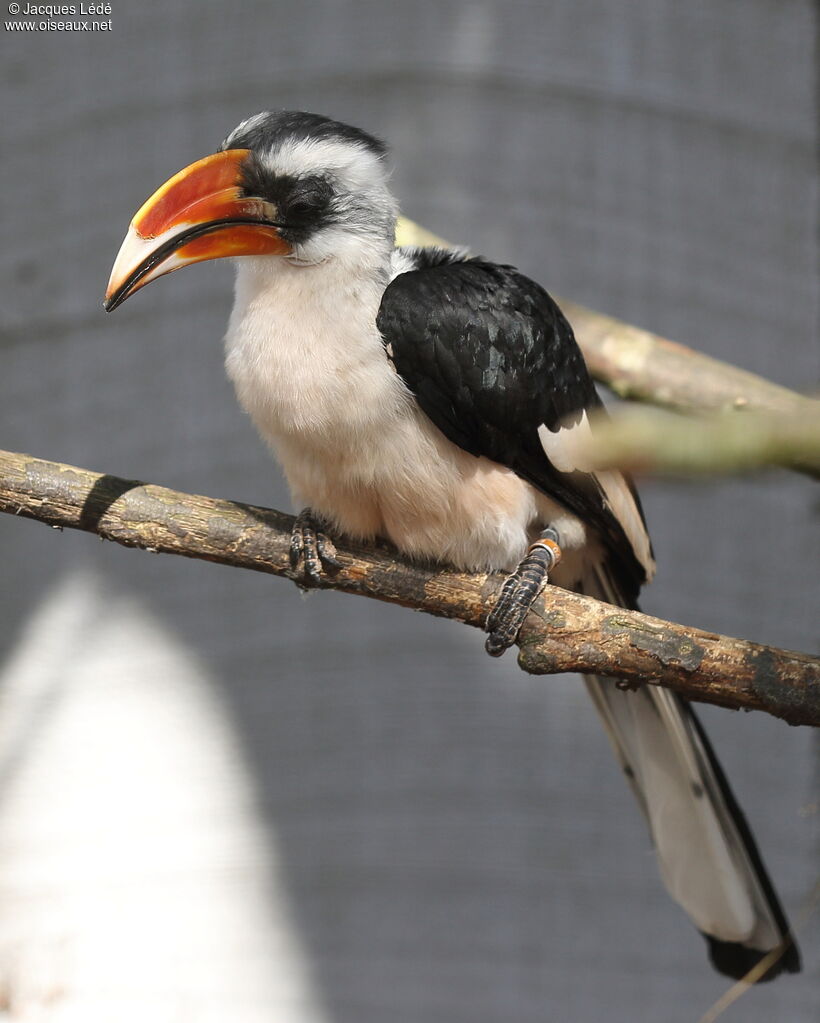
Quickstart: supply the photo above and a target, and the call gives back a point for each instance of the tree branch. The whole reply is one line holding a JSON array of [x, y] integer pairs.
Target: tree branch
[[565, 632], [642, 439], [642, 366]]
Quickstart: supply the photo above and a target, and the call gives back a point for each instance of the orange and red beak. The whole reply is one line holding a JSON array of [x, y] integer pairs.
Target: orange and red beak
[[202, 213]]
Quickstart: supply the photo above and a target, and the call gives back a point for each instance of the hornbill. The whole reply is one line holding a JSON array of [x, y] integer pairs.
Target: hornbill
[[429, 397]]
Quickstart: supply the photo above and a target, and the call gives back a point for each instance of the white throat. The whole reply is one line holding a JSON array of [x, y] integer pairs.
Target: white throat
[[304, 353]]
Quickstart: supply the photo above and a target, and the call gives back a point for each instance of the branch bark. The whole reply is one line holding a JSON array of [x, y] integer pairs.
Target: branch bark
[[642, 366], [565, 632]]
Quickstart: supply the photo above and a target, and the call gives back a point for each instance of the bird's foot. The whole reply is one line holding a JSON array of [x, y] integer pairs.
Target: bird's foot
[[518, 593], [311, 550]]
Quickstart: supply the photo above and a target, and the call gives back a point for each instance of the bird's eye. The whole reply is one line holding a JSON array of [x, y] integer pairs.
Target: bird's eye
[[309, 199], [301, 205]]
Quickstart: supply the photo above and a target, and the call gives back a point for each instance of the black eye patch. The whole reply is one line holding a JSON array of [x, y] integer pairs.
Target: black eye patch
[[303, 199]]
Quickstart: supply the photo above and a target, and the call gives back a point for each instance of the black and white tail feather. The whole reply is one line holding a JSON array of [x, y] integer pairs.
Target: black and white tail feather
[[706, 853]]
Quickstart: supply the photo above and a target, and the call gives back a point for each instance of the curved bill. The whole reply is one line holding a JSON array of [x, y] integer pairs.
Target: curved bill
[[201, 213]]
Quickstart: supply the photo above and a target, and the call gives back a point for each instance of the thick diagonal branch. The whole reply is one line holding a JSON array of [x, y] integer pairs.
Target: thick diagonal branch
[[566, 632]]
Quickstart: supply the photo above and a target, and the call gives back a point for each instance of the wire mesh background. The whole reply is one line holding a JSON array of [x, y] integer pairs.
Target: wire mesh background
[[219, 801]]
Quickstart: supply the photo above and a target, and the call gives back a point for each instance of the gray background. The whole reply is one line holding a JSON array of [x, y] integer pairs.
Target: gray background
[[450, 837]]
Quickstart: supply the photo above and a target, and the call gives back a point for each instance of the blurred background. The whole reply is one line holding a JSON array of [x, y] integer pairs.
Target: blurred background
[[219, 801]]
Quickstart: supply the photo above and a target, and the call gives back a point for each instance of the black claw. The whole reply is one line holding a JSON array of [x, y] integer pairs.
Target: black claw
[[311, 549], [517, 595], [495, 645]]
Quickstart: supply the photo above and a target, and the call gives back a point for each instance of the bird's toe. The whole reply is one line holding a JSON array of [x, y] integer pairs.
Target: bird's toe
[[311, 550]]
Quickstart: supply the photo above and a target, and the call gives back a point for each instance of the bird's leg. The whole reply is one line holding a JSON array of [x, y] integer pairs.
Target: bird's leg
[[519, 591], [311, 549]]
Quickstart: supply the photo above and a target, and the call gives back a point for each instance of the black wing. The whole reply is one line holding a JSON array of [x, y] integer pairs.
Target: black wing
[[490, 358]]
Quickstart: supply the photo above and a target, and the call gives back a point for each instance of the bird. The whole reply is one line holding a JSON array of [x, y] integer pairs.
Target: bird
[[433, 398]]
